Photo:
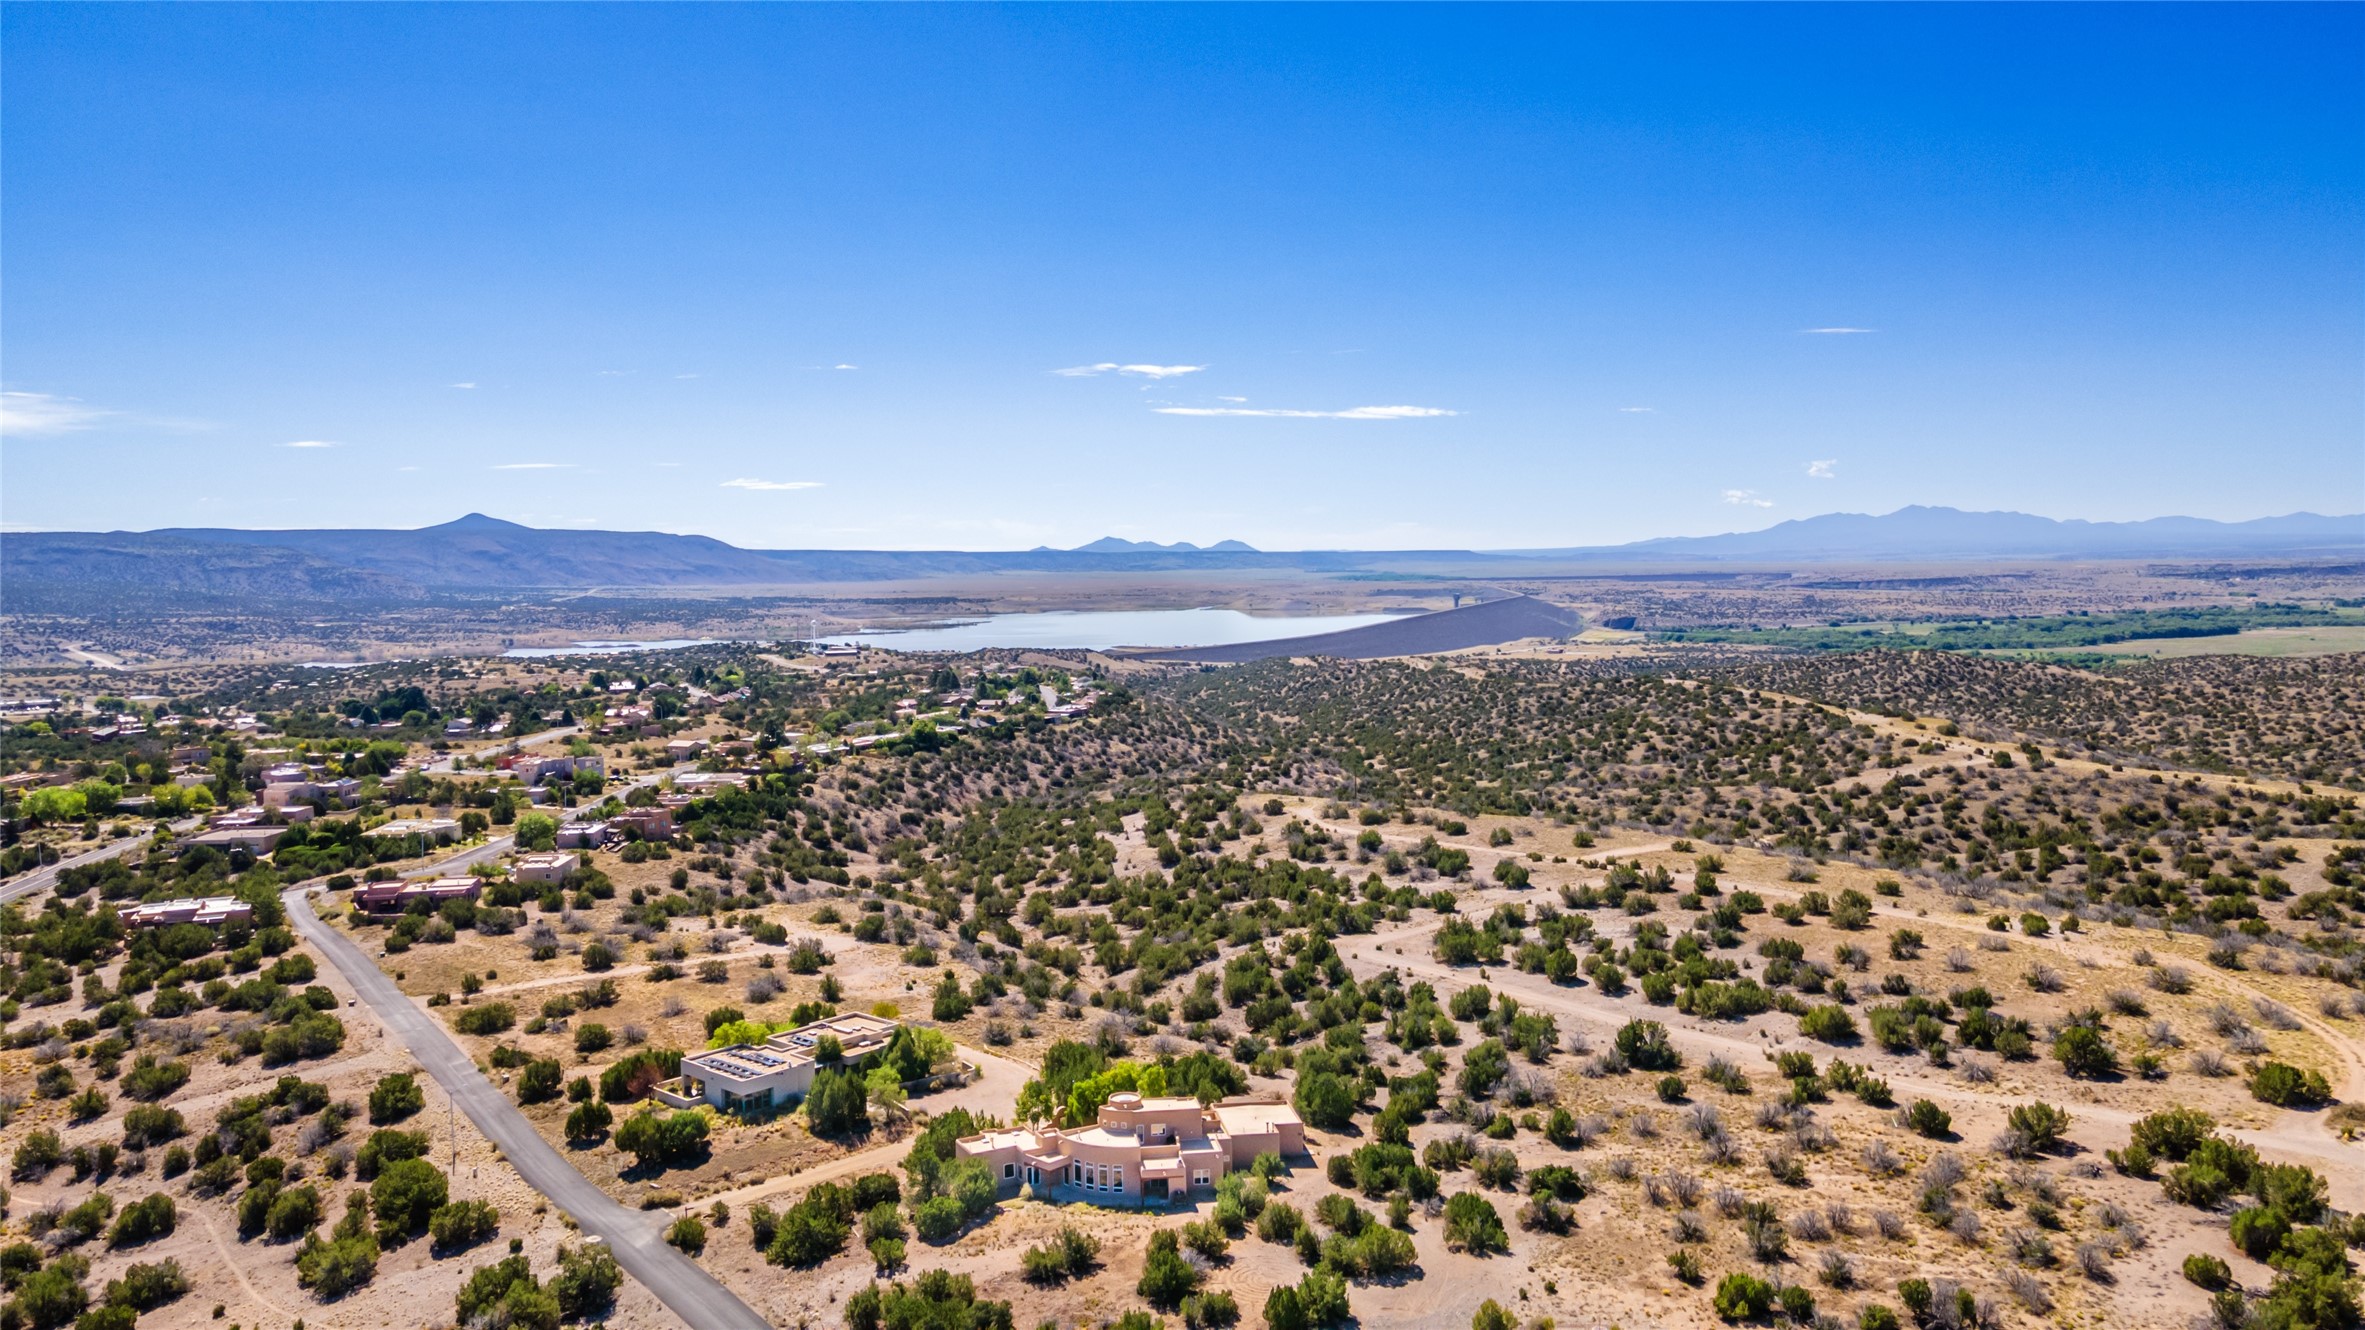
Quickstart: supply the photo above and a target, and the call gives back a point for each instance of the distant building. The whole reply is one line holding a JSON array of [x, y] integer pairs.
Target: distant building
[[343, 792], [1140, 1150], [584, 835], [211, 911], [549, 869], [682, 750], [777, 1072], [254, 839], [646, 823], [536, 769], [396, 897], [437, 830]]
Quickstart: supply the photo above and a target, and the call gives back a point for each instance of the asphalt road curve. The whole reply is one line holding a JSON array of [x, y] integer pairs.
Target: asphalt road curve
[[694, 1295]]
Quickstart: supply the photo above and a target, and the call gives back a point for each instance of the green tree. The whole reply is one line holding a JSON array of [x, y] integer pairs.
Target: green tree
[[536, 831], [838, 1104], [405, 1195]]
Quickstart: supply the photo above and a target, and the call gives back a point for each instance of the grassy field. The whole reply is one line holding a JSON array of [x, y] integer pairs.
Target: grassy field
[[2323, 640]]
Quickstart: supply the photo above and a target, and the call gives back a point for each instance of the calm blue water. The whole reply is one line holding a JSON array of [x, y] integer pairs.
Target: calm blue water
[[608, 648], [1100, 629]]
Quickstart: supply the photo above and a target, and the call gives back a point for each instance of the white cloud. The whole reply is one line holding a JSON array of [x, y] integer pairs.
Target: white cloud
[[1639, 410], [1139, 371], [1836, 332], [1825, 469], [1351, 413], [1231, 399], [534, 466], [1747, 499], [463, 385], [41, 413], [689, 376], [312, 443], [845, 367], [747, 483]]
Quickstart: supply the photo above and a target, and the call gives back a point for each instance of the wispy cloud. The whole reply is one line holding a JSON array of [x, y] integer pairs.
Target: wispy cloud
[[1825, 469], [749, 483], [1836, 332], [1747, 499], [1351, 413], [463, 385], [1231, 399], [1639, 410], [534, 466], [42, 413], [1139, 371], [845, 367], [689, 376], [312, 443]]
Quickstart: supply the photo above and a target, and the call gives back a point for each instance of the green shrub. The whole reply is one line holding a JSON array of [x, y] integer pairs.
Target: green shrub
[[485, 1018], [405, 1196], [147, 1287], [144, 1221], [1828, 1022], [1743, 1297], [2286, 1086], [2206, 1271], [1472, 1225], [1646, 1047], [395, 1097], [463, 1224], [1924, 1118]]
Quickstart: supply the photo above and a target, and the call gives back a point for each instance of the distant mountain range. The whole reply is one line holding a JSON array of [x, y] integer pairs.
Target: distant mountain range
[[1950, 533], [73, 572], [1112, 545]]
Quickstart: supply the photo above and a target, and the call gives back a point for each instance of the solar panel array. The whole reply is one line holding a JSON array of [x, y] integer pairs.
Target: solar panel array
[[763, 1059]]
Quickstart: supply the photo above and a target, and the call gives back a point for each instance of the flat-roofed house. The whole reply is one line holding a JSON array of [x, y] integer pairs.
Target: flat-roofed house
[[211, 911], [343, 792], [397, 897], [437, 830], [1140, 1150], [777, 1072], [254, 839], [584, 835], [549, 868], [647, 823]]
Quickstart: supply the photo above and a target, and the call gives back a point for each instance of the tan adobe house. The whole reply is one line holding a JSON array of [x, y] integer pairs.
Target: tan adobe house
[[1140, 1151]]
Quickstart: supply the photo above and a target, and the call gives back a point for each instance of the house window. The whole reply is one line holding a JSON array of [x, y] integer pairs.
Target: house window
[[1009, 1171], [1199, 1179]]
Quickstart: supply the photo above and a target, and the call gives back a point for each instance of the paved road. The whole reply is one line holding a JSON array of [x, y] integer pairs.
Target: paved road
[[41, 877], [451, 765], [693, 1295]]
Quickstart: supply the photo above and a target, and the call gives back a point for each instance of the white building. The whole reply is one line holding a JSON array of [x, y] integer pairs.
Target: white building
[[777, 1072]]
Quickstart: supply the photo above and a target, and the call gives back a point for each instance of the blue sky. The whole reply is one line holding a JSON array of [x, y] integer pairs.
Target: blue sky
[[1360, 277]]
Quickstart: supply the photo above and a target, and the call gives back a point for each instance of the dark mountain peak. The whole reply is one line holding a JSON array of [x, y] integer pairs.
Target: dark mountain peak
[[478, 522]]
